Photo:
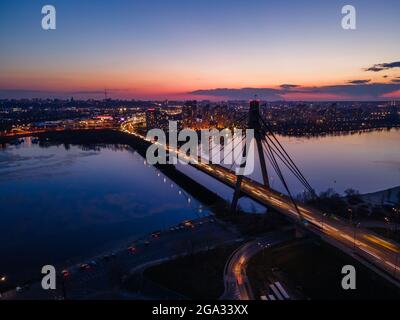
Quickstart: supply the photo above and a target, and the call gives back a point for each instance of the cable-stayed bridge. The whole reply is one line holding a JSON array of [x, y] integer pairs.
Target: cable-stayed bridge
[[372, 250]]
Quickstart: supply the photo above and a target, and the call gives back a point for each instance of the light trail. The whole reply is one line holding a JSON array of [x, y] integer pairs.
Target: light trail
[[371, 247]]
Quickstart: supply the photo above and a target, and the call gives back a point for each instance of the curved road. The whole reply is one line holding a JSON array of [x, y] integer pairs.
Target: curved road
[[237, 286]]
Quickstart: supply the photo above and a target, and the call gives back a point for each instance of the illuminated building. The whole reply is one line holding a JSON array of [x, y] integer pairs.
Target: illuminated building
[[152, 118]]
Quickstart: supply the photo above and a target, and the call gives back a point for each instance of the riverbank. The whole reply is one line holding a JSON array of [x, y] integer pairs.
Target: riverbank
[[389, 197], [107, 273]]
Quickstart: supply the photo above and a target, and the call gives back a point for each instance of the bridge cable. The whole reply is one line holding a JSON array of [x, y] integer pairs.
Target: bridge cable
[[286, 162], [239, 154], [281, 177], [285, 155], [284, 151], [234, 147]]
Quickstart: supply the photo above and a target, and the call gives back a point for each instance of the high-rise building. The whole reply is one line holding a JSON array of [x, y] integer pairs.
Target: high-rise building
[[189, 113], [152, 118]]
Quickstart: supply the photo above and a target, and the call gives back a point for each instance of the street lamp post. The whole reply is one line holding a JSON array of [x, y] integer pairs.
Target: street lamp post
[[351, 215], [356, 225], [388, 222], [64, 289], [395, 221], [396, 211], [3, 279], [265, 248], [323, 220]]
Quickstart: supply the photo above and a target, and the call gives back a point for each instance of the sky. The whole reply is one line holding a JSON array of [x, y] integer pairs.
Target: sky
[[200, 49]]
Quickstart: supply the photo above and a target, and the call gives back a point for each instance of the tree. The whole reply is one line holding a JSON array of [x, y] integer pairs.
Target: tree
[[353, 196], [305, 197], [351, 192]]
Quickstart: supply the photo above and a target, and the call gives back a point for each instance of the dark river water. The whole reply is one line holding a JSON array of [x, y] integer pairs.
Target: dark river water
[[367, 162], [59, 206]]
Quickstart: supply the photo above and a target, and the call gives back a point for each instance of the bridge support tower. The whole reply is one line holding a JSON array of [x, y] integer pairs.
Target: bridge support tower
[[253, 123]]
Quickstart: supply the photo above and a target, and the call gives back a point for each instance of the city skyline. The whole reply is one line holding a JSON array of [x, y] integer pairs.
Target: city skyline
[[180, 50]]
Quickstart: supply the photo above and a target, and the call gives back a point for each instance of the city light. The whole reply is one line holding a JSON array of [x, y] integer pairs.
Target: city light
[[199, 151]]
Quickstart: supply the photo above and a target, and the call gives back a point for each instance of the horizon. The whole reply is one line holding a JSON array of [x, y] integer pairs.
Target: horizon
[[70, 99]]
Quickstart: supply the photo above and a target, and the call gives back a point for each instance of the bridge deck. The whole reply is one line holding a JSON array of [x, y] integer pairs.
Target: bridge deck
[[373, 248]]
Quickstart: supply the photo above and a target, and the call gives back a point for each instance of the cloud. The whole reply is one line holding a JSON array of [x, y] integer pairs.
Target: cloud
[[384, 66], [397, 80], [358, 81], [363, 91], [289, 86], [242, 94], [372, 90]]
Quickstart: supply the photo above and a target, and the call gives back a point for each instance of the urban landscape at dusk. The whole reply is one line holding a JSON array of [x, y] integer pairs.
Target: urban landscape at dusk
[[236, 152]]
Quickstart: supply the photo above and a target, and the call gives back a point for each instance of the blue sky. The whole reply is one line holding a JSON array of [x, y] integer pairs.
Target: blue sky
[[156, 48]]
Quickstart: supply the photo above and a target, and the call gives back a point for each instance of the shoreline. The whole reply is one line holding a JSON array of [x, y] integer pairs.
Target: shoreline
[[389, 196], [306, 135]]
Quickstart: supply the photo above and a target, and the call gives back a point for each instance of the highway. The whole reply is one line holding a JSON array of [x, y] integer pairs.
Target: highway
[[354, 240]]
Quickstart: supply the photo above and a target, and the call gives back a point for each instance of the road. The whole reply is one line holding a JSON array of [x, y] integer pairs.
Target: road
[[237, 286], [374, 248], [353, 239], [104, 278]]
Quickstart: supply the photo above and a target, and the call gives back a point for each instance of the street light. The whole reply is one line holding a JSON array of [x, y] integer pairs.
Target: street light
[[267, 246], [356, 225], [351, 215], [396, 264], [323, 220], [389, 228]]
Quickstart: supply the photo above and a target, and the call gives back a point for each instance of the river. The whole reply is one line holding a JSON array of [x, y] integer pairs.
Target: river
[[59, 205]]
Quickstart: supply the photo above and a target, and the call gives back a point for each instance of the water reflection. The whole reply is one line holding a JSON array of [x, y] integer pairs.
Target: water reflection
[[365, 161], [68, 202]]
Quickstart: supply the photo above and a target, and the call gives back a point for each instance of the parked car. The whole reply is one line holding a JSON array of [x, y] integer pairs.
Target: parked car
[[23, 288], [156, 234], [93, 263], [132, 249], [84, 266], [65, 273]]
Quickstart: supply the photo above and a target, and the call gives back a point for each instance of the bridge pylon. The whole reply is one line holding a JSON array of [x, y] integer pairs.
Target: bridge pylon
[[254, 124]]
